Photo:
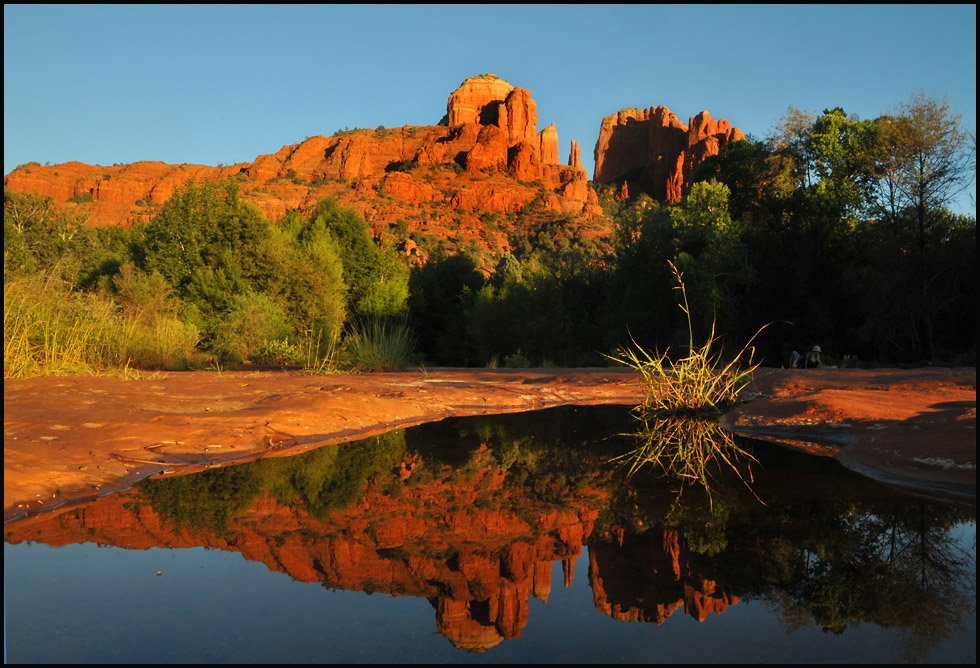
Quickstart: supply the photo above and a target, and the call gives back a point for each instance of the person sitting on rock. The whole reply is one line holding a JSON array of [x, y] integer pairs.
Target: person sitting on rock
[[812, 360]]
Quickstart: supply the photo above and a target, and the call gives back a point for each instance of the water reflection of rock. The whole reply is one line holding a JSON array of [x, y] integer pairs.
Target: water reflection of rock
[[647, 578], [489, 506], [478, 567]]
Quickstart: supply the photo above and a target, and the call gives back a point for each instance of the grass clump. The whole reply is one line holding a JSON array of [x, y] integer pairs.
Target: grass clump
[[698, 384], [319, 354], [679, 396], [380, 344], [50, 329]]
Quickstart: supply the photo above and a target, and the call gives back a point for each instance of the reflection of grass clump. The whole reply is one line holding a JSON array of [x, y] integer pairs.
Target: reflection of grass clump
[[688, 450], [697, 384], [694, 387]]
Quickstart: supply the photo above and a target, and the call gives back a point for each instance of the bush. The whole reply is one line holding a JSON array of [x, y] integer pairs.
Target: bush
[[253, 321], [517, 361], [380, 344]]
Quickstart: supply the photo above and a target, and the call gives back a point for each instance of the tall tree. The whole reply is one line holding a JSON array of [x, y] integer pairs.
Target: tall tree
[[933, 160], [929, 161]]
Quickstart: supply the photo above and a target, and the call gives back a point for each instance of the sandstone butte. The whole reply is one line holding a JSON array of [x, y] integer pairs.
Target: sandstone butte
[[486, 157], [652, 151]]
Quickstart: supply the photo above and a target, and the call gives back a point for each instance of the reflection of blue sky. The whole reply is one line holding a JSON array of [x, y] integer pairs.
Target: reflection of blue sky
[[84, 603]]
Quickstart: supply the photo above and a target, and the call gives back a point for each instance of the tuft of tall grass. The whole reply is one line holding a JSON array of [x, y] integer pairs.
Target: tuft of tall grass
[[694, 387], [49, 329], [154, 341], [319, 354], [379, 344], [698, 384]]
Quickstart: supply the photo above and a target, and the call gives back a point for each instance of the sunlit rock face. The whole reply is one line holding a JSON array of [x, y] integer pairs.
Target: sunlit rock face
[[548, 139], [485, 157], [477, 100], [654, 151]]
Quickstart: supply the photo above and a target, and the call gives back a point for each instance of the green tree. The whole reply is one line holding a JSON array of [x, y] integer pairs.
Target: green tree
[[376, 280], [933, 160], [203, 228], [440, 291], [926, 159], [712, 255], [38, 235], [252, 320], [842, 152]]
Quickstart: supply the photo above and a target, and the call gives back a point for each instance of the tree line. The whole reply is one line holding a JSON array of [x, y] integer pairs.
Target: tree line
[[832, 231]]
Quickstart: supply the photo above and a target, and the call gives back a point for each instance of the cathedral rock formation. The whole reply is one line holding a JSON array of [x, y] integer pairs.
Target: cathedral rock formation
[[504, 119], [652, 151], [485, 156]]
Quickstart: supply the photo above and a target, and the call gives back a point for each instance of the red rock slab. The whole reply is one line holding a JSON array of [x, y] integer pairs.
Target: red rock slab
[[917, 424], [71, 438]]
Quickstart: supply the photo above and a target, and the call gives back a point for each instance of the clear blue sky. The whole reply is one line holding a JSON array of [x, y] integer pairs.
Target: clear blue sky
[[210, 84]]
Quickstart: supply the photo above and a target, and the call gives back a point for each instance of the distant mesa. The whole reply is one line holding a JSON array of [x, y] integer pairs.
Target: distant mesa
[[653, 152]]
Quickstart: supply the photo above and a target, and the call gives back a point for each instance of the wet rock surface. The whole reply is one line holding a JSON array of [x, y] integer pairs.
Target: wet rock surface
[[69, 439], [908, 427]]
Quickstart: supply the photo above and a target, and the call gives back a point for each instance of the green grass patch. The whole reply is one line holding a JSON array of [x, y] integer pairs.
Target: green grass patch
[[50, 329], [380, 344]]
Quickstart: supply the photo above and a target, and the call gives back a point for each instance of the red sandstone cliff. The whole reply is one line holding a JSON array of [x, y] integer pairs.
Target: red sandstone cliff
[[488, 157], [654, 152]]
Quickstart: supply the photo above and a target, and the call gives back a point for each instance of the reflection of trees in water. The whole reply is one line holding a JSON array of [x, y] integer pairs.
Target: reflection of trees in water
[[830, 548], [933, 576], [903, 569], [322, 480], [549, 455], [896, 563]]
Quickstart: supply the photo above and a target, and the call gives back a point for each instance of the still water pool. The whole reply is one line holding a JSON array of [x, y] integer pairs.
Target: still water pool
[[479, 540]]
